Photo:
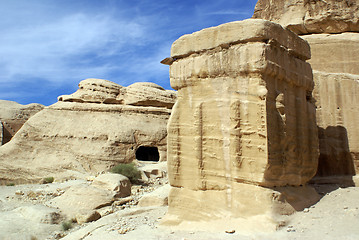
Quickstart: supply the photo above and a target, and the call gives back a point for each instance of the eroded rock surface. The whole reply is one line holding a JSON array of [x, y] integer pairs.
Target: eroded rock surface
[[12, 116], [334, 53], [311, 16], [244, 119], [332, 31], [88, 132], [337, 113]]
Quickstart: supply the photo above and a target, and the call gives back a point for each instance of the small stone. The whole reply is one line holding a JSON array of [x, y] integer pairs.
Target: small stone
[[230, 231], [306, 210], [19, 192]]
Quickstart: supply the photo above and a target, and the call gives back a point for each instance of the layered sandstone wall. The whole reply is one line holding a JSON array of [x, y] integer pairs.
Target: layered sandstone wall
[[1, 133], [244, 118], [334, 53], [13, 115], [332, 30], [311, 16], [337, 117]]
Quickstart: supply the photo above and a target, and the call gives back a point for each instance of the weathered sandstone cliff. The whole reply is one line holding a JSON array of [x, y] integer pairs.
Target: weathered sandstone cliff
[[311, 16], [332, 31], [334, 53], [12, 116], [337, 97], [90, 131], [244, 122]]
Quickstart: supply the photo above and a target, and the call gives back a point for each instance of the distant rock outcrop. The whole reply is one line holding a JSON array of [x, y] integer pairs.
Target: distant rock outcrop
[[98, 126], [12, 116]]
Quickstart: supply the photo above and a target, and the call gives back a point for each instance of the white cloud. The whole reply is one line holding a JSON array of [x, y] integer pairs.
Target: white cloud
[[45, 50]]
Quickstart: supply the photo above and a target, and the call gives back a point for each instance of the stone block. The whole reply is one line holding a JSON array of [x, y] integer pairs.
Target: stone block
[[244, 119], [244, 113], [117, 183]]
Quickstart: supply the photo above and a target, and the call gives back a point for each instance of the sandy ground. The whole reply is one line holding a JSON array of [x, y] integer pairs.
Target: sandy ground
[[335, 216]]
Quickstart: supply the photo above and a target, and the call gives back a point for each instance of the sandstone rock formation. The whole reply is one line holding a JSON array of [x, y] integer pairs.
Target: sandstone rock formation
[[311, 16], [159, 197], [244, 122], [337, 97], [90, 131], [336, 56], [81, 200], [334, 53], [1, 133], [117, 183], [12, 116]]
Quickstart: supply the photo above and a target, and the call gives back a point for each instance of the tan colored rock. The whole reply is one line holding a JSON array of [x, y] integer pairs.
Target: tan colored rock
[[12, 116], [85, 216], [336, 57], [147, 94], [81, 199], [334, 53], [244, 118], [337, 97], [1, 133], [94, 91], [311, 16], [250, 30], [117, 183], [238, 90], [138, 94], [155, 170], [159, 197], [40, 214], [246, 201], [73, 138]]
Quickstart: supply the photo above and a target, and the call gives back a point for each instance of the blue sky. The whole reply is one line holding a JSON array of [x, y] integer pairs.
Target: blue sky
[[48, 46]]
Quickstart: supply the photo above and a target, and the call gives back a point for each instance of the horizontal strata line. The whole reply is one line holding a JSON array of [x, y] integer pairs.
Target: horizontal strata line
[[228, 45], [150, 111]]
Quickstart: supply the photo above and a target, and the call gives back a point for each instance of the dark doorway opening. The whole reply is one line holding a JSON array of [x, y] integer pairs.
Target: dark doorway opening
[[147, 154]]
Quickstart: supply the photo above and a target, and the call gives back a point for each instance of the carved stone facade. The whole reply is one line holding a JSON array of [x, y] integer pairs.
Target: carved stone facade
[[337, 96], [244, 119]]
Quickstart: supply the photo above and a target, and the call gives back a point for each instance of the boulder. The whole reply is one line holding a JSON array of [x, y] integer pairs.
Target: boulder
[[159, 197], [311, 16], [86, 133], [82, 199], [154, 170], [12, 116], [244, 123], [117, 183], [85, 216]]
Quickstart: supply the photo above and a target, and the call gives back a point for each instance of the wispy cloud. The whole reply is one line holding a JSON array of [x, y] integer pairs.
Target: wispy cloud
[[46, 50]]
